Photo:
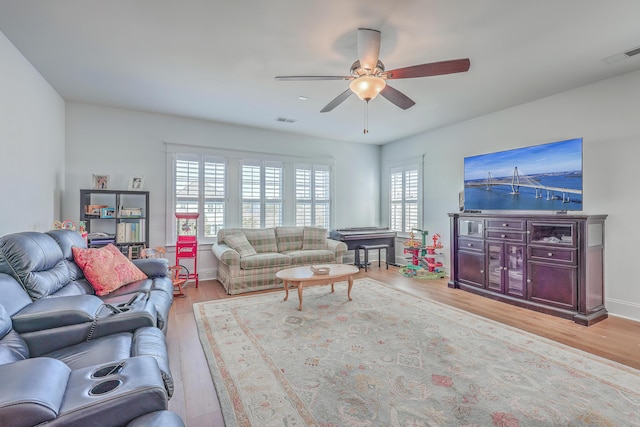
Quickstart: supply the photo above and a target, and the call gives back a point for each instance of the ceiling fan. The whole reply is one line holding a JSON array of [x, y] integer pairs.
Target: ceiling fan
[[369, 78]]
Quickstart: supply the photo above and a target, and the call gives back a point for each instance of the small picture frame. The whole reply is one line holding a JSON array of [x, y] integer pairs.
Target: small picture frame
[[100, 182], [107, 212], [136, 183]]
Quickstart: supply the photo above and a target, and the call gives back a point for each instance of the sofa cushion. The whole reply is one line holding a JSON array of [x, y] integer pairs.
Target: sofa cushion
[[314, 238], [105, 349], [35, 260], [67, 239], [106, 268], [272, 259], [240, 244], [262, 239], [289, 238], [312, 256]]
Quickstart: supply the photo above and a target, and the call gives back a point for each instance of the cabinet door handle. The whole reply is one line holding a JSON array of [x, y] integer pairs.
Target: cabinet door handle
[[470, 245], [504, 236], [528, 280], [481, 271], [505, 225], [550, 254]]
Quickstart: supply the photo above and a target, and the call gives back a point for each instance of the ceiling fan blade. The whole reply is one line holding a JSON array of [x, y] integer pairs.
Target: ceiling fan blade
[[305, 78], [337, 101], [397, 98], [431, 69], [368, 48]]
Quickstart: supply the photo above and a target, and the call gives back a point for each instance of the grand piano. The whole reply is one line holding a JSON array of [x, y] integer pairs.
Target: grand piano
[[356, 236]]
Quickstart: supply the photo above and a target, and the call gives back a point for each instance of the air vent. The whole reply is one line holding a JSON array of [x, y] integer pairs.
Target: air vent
[[285, 120], [633, 52], [620, 56]]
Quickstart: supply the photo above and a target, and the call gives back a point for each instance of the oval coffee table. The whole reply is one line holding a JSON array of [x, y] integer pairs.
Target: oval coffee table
[[303, 276]]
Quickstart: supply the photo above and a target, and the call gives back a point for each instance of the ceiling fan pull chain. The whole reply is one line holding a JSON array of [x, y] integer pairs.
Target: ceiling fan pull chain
[[366, 117]]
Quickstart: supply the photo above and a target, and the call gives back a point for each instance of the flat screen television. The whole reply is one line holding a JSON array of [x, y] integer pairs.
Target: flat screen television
[[546, 177]]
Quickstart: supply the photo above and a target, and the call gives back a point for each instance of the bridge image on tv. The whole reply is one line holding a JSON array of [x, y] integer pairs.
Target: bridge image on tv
[[542, 177]]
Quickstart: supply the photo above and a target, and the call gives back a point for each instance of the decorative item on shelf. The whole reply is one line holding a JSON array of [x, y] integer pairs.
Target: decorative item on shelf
[[82, 229], [100, 182], [130, 212], [57, 225], [136, 183], [94, 210], [68, 225], [320, 270], [107, 212]]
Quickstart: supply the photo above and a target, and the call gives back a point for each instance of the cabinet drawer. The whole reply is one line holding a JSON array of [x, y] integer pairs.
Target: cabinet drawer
[[511, 236], [506, 224], [553, 254], [470, 244]]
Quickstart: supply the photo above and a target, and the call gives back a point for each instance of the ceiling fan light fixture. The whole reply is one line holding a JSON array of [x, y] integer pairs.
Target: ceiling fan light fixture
[[367, 87]]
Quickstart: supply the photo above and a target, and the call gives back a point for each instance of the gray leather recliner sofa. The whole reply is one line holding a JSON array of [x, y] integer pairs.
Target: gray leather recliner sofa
[[110, 381], [43, 265]]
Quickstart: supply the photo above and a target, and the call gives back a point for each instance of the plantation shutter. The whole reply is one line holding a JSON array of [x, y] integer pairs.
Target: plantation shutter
[[404, 189], [215, 188], [262, 189], [200, 186]]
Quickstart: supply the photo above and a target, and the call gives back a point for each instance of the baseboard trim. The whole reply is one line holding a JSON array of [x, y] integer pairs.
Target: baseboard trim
[[620, 308]]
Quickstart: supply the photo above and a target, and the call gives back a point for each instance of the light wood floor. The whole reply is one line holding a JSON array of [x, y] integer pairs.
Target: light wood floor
[[195, 398]]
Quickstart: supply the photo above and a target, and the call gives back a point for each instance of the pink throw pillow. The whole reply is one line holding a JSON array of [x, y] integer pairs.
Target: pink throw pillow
[[106, 268]]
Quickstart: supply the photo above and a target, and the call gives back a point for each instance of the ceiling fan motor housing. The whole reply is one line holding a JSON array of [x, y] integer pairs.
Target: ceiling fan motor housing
[[357, 70]]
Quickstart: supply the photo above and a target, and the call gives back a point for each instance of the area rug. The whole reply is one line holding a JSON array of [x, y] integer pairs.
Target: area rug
[[388, 358]]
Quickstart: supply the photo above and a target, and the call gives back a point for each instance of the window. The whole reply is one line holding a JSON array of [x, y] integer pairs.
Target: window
[[200, 186], [231, 189], [313, 195], [404, 198], [262, 188]]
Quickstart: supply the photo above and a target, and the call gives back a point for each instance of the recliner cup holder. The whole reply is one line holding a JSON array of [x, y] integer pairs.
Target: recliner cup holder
[[104, 387], [108, 370]]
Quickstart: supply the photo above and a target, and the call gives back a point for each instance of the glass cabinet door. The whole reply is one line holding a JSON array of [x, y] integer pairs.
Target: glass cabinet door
[[514, 271], [552, 233], [494, 267], [471, 227], [506, 268]]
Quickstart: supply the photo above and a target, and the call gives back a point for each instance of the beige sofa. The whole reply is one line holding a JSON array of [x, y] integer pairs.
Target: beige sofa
[[249, 258]]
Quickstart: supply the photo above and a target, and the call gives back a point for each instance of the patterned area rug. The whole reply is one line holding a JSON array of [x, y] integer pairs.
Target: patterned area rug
[[391, 359]]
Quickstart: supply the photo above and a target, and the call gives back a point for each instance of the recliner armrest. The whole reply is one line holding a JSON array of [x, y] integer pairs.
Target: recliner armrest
[[32, 390], [49, 313], [153, 267], [113, 394]]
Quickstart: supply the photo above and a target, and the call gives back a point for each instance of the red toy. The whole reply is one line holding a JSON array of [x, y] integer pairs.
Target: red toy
[[187, 243]]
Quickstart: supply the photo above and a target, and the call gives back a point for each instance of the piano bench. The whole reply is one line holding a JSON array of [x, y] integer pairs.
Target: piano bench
[[368, 248]]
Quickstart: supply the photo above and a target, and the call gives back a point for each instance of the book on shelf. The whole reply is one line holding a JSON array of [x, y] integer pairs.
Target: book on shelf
[[131, 232], [100, 235], [124, 212], [101, 241]]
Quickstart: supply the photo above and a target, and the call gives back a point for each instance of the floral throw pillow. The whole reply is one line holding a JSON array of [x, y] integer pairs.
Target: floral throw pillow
[[106, 268], [240, 244]]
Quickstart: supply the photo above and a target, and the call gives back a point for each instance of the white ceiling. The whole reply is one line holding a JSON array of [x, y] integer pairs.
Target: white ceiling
[[216, 59]]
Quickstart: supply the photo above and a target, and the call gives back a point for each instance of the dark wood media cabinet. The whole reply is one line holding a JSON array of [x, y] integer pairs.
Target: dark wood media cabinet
[[549, 263]]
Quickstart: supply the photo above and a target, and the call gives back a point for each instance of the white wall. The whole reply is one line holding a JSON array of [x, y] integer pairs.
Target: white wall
[[32, 144], [605, 114], [122, 143]]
